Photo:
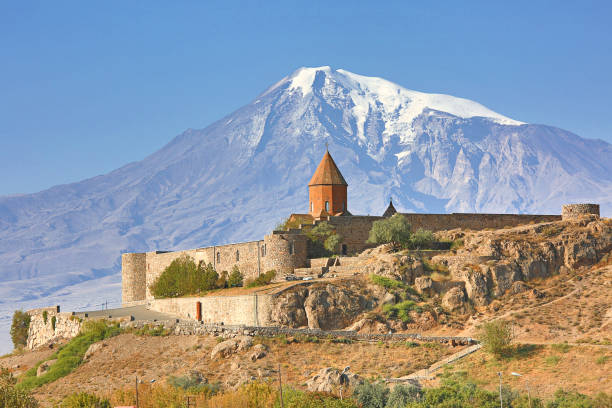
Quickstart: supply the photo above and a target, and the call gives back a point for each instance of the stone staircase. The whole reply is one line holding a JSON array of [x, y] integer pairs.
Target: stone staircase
[[338, 267]]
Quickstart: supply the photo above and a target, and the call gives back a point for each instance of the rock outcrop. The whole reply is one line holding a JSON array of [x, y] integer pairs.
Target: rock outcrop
[[228, 347], [329, 379], [492, 262]]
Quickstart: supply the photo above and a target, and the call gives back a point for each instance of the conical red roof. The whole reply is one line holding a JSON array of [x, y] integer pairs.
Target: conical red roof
[[327, 173]]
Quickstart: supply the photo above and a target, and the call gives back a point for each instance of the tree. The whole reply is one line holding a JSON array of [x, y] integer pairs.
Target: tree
[[209, 276], [394, 230], [332, 242], [496, 337], [178, 279], [19, 328], [11, 397], [235, 278], [402, 395]]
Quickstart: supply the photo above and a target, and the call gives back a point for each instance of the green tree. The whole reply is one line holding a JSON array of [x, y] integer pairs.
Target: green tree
[[84, 400], [19, 328], [11, 397], [394, 230], [235, 278], [209, 277], [496, 337], [178, 279], [332, 243]]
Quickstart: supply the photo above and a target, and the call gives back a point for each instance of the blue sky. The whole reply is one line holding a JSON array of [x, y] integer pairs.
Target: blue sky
[[86, 87]]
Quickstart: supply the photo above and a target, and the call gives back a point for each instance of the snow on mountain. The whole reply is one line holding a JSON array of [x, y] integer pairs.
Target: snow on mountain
[[235, 179]]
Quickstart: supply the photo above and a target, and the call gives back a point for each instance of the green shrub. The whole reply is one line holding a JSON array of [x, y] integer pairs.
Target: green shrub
[[12, 397], [496, 337], [456, 244], [153, 330], [19, 328], [387, 283], [235, 278], [53, 322], [45, 316], [401, 310], [402, 395], [262, 280], [84, 400], [569, 399], [293, 398], [332, 243], [421, 239], [195, 384], [70, 355], [552, 360], [370, 395], [602, 360], [561, 347], [183, 277], [394, 230]]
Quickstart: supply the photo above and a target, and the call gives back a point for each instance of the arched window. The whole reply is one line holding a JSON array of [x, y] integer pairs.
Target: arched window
[[327, 206], [263, 250], [237, 256], [291, 248], [343, 206], [311, 207], [218, 257]]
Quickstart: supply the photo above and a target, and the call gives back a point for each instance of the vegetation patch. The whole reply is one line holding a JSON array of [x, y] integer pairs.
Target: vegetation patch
[[496, 337], [70, 356], [401, 310], [19, 328], [262, 280], [387, 283]]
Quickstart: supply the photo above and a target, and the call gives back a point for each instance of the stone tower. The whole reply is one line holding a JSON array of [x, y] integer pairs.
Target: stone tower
[[327, 190]]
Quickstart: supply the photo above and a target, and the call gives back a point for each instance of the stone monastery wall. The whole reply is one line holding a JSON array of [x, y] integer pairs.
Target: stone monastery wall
[[473, 221]]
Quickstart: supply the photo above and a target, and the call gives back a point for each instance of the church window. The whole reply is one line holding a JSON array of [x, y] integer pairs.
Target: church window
[[237, 256], [263, 250], [291, 248], [343, 206], [218, 257], [311, 207], [327, 206]]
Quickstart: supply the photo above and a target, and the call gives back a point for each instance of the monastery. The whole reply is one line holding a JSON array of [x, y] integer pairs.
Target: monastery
[[288, 250]]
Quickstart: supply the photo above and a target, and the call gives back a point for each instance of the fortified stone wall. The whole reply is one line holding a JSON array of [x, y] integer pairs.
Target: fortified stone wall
[[232, 310], [571, 211], [473, 221], [354, 231], [48, 324], [285, 251], [140, 270]]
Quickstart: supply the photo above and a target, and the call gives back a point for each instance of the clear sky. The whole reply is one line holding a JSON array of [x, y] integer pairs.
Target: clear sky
[[86, 87]]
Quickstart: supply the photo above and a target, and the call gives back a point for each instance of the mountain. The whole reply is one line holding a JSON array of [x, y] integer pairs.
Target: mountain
[[235, 179]]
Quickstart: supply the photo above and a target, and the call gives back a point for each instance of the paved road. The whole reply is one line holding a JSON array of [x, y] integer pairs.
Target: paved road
[[139, 313]]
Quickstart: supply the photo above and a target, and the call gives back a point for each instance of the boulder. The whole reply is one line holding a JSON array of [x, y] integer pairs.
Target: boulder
[[328, 380], [454, 299], [259, 351], [228, 347], [424, 285], [369, 326], [44, 367], [92, 349]]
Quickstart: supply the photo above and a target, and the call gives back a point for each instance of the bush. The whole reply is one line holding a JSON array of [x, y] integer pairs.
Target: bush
[[235, 278], [293, 398], [387, 283], [402, 395], [421, 239], [332, 243], [394, 230], [183, 277], [401, 310], [262, 280], [70, 355], [496, 337], [84, 400], [12, 397], [19, 328], [370, 395], [195, 384], [53, 322]]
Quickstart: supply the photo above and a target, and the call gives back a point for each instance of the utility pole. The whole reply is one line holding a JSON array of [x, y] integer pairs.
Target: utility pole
[[137, 392], [501, 402], [280, 385]]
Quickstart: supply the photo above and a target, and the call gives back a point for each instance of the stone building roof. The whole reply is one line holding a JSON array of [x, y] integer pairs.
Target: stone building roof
[[390, 210], [327, 173]]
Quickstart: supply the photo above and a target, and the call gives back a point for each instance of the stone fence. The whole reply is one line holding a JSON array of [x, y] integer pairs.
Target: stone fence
[[181, 327]]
